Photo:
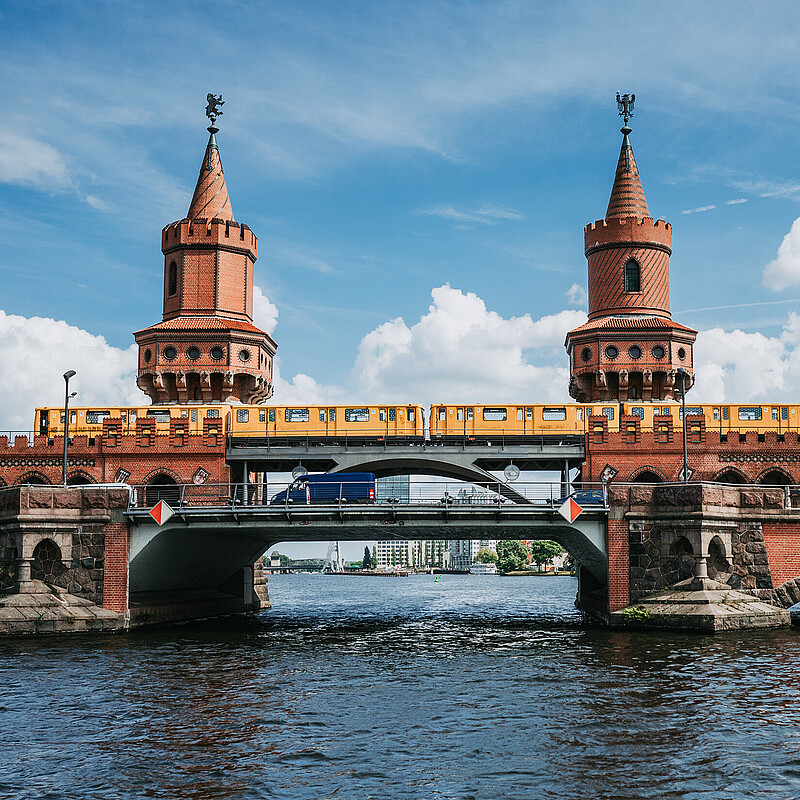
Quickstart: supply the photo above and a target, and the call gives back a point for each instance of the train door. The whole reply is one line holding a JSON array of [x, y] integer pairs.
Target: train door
[[441, 421], [720, 418], [780, 418], [387, 421], [43, 422]]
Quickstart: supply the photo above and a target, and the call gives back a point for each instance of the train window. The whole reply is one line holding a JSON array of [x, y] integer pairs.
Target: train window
[[410, 414], [212, 413], [391, 415], [715, 414], [331, 415], [637, 411], [460, 414], [495, 414], [724, 413], [194, 415], [159, 416], [774, 413], [272, 415], [469, 414], [529, 414], [382, 415], [123, 416], [322, 416], [519, 414], [750, 413], [133, 415], [184, 415], [356, 415], [242, 415], [442, 415], [554, 414], [692, 411], [72, 417], [608, 411], [262, 417], [296, 415], [784, 413], [96, 417], [579, 413]]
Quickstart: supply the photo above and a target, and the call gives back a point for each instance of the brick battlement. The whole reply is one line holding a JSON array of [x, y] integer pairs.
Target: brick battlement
[[215, 233], [624, 230]]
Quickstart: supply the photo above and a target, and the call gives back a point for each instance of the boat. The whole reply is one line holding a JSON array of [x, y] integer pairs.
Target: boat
[[482, 569]]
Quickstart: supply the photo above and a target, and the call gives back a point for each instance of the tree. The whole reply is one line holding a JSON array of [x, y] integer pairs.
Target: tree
[[486, 556], [366, 562], [543, 552], [511, 555]]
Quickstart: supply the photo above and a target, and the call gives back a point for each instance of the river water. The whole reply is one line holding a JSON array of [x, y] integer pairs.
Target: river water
[[358, 687]]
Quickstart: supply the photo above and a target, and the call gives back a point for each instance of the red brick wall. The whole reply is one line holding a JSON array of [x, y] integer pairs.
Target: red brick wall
[[618, 565], [783, 550], [115, 580]]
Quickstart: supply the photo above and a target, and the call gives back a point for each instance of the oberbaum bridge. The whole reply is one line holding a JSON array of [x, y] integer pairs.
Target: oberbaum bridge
[[718, 548]]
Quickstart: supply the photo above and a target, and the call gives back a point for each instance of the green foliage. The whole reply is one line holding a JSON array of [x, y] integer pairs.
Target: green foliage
[[636, 615], [486, 556], [511, 555], [367, 562], [544, 551]]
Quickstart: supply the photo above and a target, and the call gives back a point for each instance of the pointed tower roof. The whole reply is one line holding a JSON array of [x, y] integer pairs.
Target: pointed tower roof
[[210, 200], [627, 196]]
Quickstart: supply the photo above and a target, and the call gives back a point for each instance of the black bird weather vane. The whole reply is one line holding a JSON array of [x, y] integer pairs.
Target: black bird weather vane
[[212, 109]]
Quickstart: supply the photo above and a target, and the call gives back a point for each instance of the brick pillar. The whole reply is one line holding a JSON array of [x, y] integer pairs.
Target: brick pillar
[[115, 578], [618, 565]]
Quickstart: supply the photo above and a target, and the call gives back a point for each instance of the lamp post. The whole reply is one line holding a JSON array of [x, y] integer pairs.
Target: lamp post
[[67, 376], [682, 373]]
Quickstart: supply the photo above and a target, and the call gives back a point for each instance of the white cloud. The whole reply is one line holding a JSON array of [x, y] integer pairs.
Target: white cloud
[[265, 313], [784, 270], [487, 214], [34, 354], [28, 161], [699, 210], [576, 295], [736, 202]]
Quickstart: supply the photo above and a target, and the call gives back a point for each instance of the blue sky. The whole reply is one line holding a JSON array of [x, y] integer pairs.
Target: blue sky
[[418, 175]]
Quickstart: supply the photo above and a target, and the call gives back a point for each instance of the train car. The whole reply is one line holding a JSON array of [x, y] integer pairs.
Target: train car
[[362, 424], [515, 423], [723, 417], [88, 421]]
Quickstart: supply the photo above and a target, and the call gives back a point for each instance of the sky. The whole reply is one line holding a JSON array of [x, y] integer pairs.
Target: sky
[[418, 175]]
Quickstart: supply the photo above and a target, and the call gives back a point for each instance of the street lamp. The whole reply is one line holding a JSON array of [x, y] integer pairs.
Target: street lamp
[[682, 373], [67, 375]]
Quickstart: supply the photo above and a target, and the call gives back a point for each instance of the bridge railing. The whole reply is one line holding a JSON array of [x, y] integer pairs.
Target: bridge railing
[[442, 494]]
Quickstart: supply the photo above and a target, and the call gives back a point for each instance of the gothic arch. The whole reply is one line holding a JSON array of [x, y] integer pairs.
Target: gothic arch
[[643, 475], [47, 564], [34, 478], [152, 475], [775, 476], [163, 486], [80, 478], [730, 475]]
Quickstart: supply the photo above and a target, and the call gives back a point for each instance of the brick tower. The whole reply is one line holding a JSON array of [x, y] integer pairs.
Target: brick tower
[[206, 349], [630, 349]]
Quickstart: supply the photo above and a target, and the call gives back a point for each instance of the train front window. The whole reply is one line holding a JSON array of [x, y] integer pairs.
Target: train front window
[[495, 414], [442, 415], [554, 414], [356, 415], [410, 414], [296, 415]]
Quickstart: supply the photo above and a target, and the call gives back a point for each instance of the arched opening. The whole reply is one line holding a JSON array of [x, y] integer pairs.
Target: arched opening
[[775, 477], [647, 476], [46, 564], [172, 279], [79, 479], [163, 487], [633, 276], [33, 479], [680, 565], [730, 476], [719, 569]]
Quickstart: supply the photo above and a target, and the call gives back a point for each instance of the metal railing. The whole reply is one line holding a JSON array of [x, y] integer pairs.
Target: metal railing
[[354, 494]]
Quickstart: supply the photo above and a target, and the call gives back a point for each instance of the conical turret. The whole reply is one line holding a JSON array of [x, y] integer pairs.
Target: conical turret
[[627, 197], [210, 199]]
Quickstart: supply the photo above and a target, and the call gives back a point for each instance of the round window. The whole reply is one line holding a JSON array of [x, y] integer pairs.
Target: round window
[[170, 353], [586, 354], [193, 353], [217, 352], [147, 356], [659, 351], [634, 351], [681, 353], [611, 351], [244, 354]]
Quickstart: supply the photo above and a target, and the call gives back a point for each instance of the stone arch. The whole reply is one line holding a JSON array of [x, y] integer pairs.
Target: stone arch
[[34, 478], [730, 475], [80, 478], [647, 474], [46, 563], [775, 476], [680, 561], [719, 568], [162, 486]]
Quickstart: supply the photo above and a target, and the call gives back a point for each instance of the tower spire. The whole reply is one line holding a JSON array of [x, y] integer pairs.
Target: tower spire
[[210, 199], [627, 197]]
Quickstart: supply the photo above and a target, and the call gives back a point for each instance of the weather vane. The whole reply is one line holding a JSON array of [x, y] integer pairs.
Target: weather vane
[[624, 104], [212, 110]]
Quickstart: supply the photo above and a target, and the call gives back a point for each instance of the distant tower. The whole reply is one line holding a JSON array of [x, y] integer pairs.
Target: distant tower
[[630, 349], [206, 349]]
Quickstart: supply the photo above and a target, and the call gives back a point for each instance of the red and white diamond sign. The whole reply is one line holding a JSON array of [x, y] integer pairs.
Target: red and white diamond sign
[[161, 512], [570, 510]]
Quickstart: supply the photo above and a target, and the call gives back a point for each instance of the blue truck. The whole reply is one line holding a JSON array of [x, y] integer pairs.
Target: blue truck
[[329, 489]]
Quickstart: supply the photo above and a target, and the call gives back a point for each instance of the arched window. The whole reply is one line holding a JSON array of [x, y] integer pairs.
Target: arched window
[[172, 279], [633, 277]]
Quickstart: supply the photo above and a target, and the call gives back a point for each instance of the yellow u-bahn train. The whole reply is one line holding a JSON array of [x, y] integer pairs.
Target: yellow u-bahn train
[[409, 423]]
